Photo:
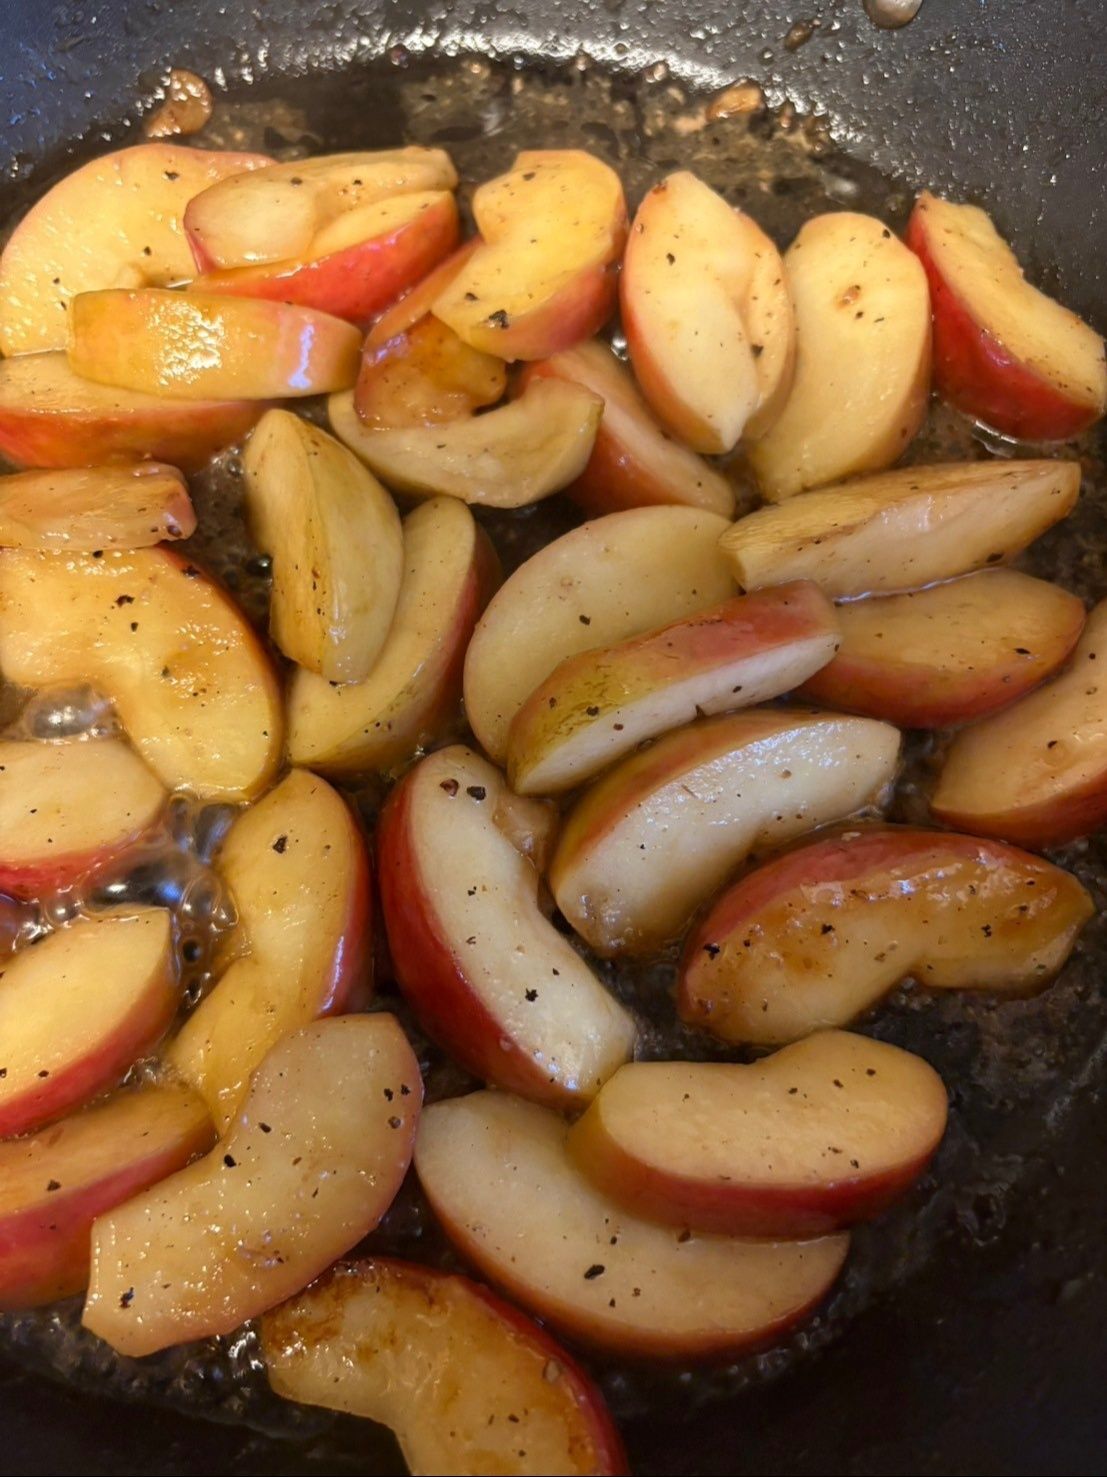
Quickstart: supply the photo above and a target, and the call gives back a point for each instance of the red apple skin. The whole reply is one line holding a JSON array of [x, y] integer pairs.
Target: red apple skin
[[577, 312], [35, 880], [974, 372], [357, 282], [1080, 812]]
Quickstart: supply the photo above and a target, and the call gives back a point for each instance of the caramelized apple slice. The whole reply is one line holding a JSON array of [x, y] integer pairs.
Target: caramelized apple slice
[[78, 1008], [499, 1177], [598, 706], [488, 974], [1003, 351], [824, 932], [334, 534], [466, 1382], [189, 679], [903, 530], [309, 1167], [68, 810], [653, 839], [84, 509], [54, 1184], [818, 1136], [298, 872]]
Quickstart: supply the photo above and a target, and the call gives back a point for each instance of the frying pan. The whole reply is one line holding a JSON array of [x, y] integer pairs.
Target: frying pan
[[986, 1354]]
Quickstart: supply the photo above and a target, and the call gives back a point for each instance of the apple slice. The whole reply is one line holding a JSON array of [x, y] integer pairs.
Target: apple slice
[[598, 706], [499, 1177], [509, 458], [203, 345], [862, 377], [707, 313], [464, 1380], [595, 586], [487, 973], [903, 530], [51, 417], [1037, 772], [235, 223], [190, 681], [1004, 352], [357, 265], [298, 871], [115, 222], [949, 653], [553, 227], [69, 810], [77, 1008], [633, 463], [82, 509], [312, 1162], [450, 571], [816, 1137], [660, 832], [54, 1184], [824, 932], [334, 534]]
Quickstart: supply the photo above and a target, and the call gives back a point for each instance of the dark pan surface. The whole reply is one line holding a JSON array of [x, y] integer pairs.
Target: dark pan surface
[[987, 1356]]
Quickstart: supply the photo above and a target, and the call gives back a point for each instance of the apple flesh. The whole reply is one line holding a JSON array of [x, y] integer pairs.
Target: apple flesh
[[465, 1381], [819, 935], [51, 417], [424, 376], [414, 689], [862, 378], [82, 509], [552, 230], [595, 586], [69, 810], [903, 530], [115, 222], [499, 1176], [334, 536], [1036, 773], [633, 463], [1004, 352], [298, 871], [78, 1008], [190, 681], [660, 833], [311, 1163], [598, 706], [204, 345], [54, 1184], [743, 1150], [708, 314], [509, 458], [949, 653]]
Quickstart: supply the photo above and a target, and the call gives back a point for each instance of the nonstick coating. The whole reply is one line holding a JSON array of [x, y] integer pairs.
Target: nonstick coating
[[992, 1359]]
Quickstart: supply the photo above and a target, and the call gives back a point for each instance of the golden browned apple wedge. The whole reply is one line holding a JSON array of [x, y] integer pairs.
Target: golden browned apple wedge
[[414, 689], [465, 1381], [825, 931], [598, 706], [862, 376], [499, 1177], [658, 834], [298, 872], [78, 1008], [89, 508], [815, 1137], [311, 1164], [69, 810], [903, 530], [190, 681], [334, 536], [613, 578], [55, 1183], [508, 458], [1036, 773], [423, 375]]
